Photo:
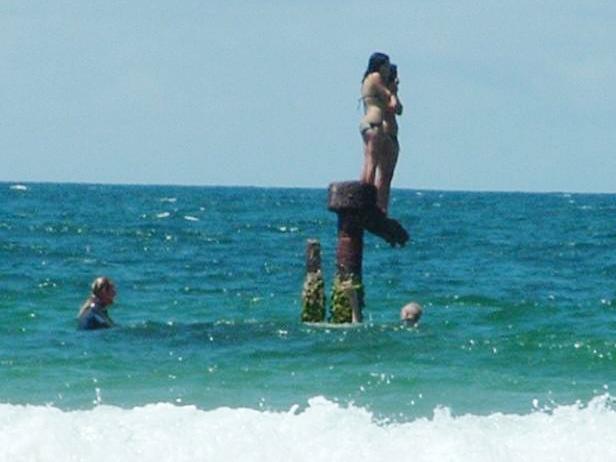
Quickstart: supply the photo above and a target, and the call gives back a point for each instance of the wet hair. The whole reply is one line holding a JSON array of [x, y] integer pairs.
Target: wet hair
[[410, 313], [393, 73], [99, 285], [375, 62]]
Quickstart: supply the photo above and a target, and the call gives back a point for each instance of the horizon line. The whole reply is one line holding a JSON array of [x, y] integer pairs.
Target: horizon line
[[194, 185]]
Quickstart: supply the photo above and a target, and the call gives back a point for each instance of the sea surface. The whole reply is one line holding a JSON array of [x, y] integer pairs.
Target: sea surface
[[514, 358]]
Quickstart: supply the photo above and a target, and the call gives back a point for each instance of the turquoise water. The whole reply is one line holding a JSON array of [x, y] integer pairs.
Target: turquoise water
[[518, 292]]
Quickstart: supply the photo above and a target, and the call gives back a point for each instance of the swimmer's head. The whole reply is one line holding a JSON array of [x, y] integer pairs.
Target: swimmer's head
[[103, 289], [378, 62], [410, 313]]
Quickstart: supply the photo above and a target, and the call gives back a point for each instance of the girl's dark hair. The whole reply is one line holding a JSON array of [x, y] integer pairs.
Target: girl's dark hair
[[393, 73], [375, 62]]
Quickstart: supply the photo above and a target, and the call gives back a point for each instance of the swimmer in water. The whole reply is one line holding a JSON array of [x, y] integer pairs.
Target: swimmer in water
[[377, 99], [93, 313], [410, 314]]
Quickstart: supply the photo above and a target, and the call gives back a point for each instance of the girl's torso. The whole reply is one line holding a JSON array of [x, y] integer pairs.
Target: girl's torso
[[374, 99]]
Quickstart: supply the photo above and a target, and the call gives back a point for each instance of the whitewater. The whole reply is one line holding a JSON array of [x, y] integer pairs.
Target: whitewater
[[322, 431]]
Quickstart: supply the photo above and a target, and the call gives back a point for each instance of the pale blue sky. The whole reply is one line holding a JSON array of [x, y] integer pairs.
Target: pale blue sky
[[505, 95]]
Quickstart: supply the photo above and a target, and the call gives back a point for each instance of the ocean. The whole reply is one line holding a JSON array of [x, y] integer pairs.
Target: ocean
[[514, 358]]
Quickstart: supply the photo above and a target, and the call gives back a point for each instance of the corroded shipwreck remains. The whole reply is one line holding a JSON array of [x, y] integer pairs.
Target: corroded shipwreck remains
[[313, 294], [355, 205]]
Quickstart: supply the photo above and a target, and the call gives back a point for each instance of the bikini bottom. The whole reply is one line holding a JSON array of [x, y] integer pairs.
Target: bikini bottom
[[365, 126]]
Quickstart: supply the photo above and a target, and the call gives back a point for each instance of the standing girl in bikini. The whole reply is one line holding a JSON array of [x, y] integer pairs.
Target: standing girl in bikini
[[391, 144], [377, 98]]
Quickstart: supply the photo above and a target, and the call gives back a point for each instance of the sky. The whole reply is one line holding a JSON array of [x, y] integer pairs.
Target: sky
[[499, 96]]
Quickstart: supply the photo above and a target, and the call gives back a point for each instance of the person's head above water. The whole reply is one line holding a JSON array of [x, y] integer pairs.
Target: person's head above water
[[104, 290], [410, 313], [378, 62]]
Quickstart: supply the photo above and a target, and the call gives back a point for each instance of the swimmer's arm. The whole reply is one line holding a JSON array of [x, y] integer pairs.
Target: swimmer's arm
[[103, 321]]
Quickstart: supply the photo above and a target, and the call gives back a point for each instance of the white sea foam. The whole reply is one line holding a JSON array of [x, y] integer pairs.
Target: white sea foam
[[324, 431], [19, 187]]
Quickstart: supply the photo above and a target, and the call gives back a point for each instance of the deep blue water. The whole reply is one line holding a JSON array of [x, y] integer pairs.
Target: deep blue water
[[518, 292]]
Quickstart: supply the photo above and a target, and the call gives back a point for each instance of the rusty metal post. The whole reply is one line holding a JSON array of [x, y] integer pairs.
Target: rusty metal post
[[349, 200], [313, 293]]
